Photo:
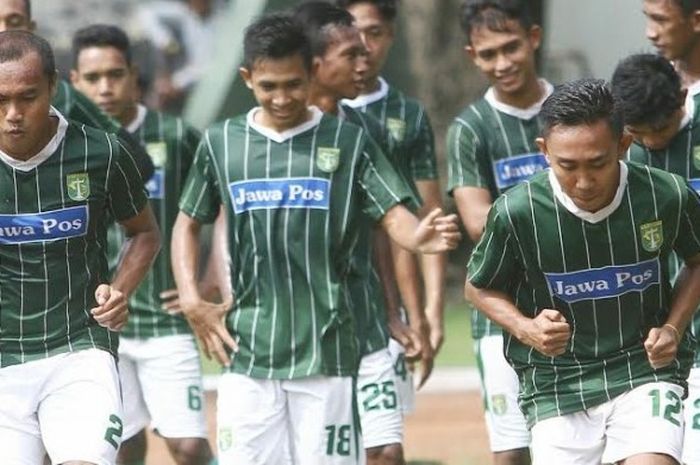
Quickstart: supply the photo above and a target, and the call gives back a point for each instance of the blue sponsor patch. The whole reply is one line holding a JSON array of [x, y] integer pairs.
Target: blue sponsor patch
[[510, 171], [257, 194], [603, 283], [695, 184], [47, 226], [155, 186]]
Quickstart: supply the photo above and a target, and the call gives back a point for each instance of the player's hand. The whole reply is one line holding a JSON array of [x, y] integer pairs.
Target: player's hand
[[437, 233], [170, 301], [548, 333], [437, 331], [111, 311], [207, 320], [423, 368], [404, 335], [661, 346]]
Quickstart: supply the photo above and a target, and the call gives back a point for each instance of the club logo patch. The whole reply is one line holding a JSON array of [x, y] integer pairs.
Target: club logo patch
[[397, 128], [327, 159], [513, 170], [261, 194], [696, 156], [158, 151], [225, 437], [78, 186], [43, 227], [652, 235], [499, 406]]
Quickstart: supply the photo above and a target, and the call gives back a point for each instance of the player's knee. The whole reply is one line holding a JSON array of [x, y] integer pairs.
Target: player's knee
[[512, 457], [390, 454], [132, 451], [190, 451]]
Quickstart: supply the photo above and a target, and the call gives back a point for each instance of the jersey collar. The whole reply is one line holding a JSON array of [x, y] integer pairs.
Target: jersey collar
[[46, 152], [521, 113], [601, 214], [138, 119], [367, 99], [281, 137]]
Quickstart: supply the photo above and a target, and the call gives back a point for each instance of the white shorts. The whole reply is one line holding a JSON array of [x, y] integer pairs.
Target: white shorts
[[68, 406], [310, 421], [162, 385], [691, 443], [645, 420], [377, 399], [404, 378], [505, 423]]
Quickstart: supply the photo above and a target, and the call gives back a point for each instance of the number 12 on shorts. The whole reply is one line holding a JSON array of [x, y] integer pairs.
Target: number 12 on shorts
[[672, 410]]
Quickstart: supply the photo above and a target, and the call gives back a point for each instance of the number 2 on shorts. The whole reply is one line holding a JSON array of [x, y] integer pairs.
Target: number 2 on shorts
[[673, 407], [113, 434]]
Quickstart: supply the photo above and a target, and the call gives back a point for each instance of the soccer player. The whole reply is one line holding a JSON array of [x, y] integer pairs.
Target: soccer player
[[338, 68], [491, 147], [572, 265], [62, 183], [158, 357], [649, 93], [17, 15], [407, 122], [294, 183]]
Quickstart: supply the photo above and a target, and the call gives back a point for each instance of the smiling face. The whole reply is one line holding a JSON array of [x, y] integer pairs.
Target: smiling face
[[585, 161], [672, 33], [281, 88], [507, 57], [341, 70]]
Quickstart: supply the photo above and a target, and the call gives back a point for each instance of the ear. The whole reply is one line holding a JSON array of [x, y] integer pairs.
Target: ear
[[53, 85], [74, 77], [624, 145], [246, 76], [694, 19], [535, 37], [315, 67], [471, 53], [542, 145]]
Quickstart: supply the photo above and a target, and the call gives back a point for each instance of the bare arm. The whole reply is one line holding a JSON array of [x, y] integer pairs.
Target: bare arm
[[432, 234], [473, 204], [216, 280]]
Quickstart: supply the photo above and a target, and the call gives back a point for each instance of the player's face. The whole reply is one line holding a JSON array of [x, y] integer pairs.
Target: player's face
[[103, 74], [584, 160], [341, 70], [281, 88], [13, 15], [25, 99], [377, 35], [507, 58], [668, 29], [659, 136]]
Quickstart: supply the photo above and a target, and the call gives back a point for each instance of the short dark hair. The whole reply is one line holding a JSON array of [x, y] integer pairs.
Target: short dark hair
[[275, 36], [493, 14], [15, 44], [647, 89], [319, 19], [582, 102], [688, 6], [101, 35], [387, 8]]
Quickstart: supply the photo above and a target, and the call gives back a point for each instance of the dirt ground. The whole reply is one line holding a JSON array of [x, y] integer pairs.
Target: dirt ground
[[446, 429]]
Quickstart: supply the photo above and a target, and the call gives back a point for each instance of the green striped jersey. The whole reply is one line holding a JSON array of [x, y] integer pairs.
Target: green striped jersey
[[682, 157], [54, 213], [408, 124], [605, 274], [294, 204], [171, 143], [491, 145]]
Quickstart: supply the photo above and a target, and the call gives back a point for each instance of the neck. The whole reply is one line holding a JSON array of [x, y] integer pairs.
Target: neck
[[263, 119], [324, 100], [689, 68], [530, 94], [372, 85], [128, 116]]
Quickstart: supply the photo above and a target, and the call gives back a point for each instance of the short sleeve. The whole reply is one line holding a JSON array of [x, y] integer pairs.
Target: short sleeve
[[687, 242], [127, 195], [200, 196], [190, 142], [422, 161], [466, 157], [493, 263]]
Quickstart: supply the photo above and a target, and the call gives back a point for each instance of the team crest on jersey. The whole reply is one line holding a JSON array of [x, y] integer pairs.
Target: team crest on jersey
[[397, 128], [652, 235], [78, 185], [499, 406], [225, 436], [696, 156], [158, 152], [327, 158]]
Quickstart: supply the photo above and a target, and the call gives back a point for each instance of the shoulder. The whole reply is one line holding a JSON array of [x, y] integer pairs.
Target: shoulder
[[639, 174], [473, 117]]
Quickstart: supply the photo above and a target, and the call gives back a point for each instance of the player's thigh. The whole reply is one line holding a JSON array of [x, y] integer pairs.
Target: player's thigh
[[323, 420], [377, 399], [573, 439], [80, 415], [252, 421], [505, 423], [135, 413], [404, 378], [170, 376], [20, 448], [646, 420], [691, 441]]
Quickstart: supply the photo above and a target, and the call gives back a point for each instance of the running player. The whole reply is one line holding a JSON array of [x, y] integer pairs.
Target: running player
[[158, 358], [407, 122], [673, 27], [572, 265], [649, 93], [294, 183], [62, 183], [339, 64], [491, 147]]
